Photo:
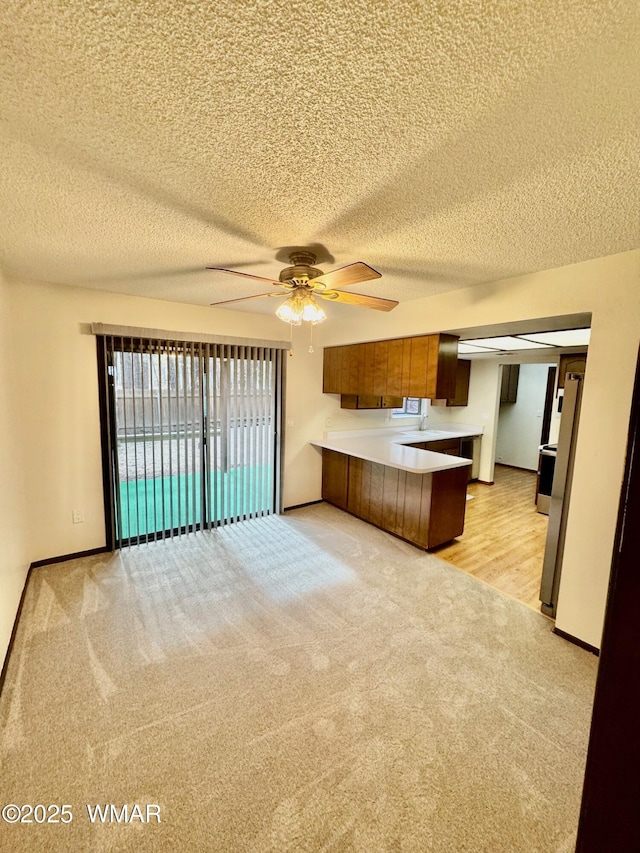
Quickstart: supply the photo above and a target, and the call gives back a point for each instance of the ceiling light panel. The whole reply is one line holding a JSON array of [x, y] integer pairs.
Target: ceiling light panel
[[507, 343], [465, 348], [566, 338]]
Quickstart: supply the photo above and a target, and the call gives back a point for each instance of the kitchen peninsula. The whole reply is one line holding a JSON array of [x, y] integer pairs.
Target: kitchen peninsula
[[399, 480]]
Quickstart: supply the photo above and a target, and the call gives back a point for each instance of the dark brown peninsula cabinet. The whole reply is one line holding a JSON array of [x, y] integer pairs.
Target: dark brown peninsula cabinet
[[425, 509], [422, 366]]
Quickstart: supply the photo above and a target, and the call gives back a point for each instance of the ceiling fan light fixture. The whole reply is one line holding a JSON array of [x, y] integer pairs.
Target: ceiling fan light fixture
[[290, 311], [311, 311], [302, 279], [301, 307]]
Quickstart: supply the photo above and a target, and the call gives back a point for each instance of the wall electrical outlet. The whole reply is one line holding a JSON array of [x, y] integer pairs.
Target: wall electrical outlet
[[77, 515], [328, 422]]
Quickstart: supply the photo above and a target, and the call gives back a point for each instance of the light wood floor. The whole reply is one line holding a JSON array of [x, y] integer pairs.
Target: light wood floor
[[504, 537]]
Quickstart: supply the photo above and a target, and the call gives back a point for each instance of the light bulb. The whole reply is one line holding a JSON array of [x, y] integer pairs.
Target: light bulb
[[311, 311], [290, 311]]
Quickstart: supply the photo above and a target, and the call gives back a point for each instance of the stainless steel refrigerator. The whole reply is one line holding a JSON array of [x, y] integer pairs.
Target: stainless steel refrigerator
[[561, 493]]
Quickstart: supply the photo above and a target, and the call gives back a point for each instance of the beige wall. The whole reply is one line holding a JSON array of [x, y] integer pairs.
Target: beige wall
[[14, 522], [60, 429], [482, 409], [520, 424], [56, 371]]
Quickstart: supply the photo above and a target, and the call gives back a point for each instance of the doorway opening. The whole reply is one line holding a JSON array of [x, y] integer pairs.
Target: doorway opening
[[516, 397]]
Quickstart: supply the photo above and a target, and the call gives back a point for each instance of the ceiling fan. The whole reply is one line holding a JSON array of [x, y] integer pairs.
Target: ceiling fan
[[302, 281]]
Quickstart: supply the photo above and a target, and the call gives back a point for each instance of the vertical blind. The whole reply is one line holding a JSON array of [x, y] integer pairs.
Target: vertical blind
[[192, 433]]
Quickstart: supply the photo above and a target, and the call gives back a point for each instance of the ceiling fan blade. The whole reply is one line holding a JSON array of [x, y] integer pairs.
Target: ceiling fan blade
[[344, 276], [244, 298], [359, 299], [247, 275]]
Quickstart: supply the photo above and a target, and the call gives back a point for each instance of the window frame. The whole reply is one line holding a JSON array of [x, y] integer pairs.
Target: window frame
[[403, 413]]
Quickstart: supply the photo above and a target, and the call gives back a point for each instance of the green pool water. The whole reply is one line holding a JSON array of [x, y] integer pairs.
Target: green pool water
[[163, 503]]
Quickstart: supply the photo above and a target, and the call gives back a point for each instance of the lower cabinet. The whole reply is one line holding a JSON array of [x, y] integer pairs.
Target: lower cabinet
[[450, 446], [425, 509], [335, 474]]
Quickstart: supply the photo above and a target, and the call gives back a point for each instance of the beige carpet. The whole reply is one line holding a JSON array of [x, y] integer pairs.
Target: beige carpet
[[297, 683]]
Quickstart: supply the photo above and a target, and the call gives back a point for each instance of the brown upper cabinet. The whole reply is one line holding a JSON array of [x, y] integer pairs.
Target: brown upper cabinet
[[423, 366], [574, 363], [461, 397], [509, 387], [366, 401]]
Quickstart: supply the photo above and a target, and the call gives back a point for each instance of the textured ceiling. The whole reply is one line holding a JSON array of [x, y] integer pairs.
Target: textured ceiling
[[444, 142]]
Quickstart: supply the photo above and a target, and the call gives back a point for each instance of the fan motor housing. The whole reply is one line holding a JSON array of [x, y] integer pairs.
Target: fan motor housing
[[302, 267]]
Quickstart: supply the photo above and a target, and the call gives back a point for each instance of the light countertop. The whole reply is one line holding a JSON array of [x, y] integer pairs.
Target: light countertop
[[389, 446]]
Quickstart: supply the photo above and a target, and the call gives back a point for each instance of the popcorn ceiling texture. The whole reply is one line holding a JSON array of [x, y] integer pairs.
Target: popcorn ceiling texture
[[445, 143]]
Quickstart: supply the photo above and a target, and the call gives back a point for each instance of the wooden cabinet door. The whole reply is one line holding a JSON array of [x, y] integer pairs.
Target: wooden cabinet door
[[335, 474], [415, 514], [447, 507], [509, 387], [356, 368], [446, 359], [376, 492], [504, 384], [394, 368], [422, 366], [451, 446], [345, 369], [329, 378], [341, 370], [380, 358], [406, 367], [463, 374], [369, 401], [574, 363], [419, 366], [391, 402], [366, 401], [337, 369], [513, 382], [354, 488], [348, 401], [433, 366], [389, 514], [334, 377], [368, 358]]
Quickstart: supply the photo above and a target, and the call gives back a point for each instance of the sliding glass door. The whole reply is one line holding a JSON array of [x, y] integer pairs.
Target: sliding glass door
[[242, 406], [192, 434]]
